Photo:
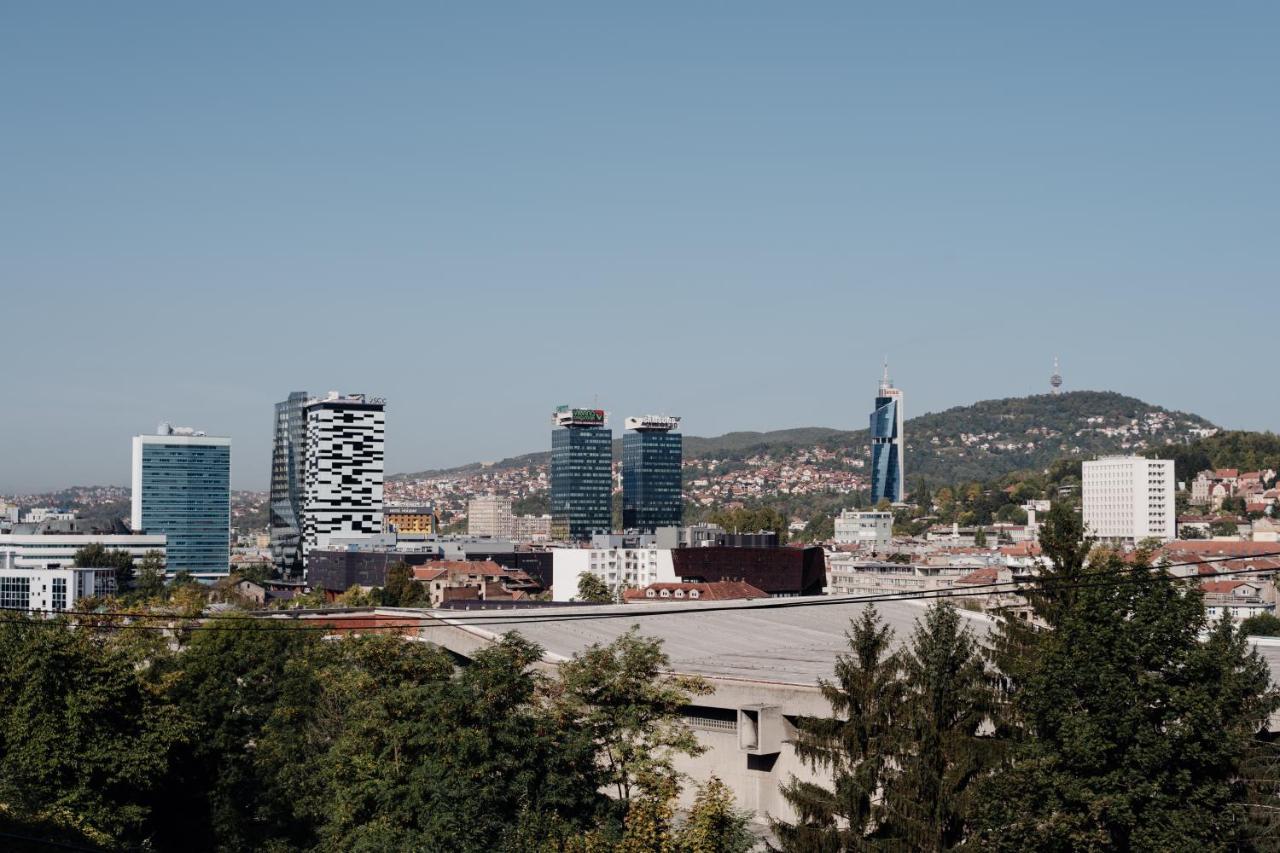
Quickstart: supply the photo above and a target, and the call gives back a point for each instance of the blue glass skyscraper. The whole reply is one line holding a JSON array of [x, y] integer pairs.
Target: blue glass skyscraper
[[581, 474], [182, 488], [887, 463], [652, 453]]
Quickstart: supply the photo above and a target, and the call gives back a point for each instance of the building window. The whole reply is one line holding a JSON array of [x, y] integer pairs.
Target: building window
[[15, 593], [59, 594]]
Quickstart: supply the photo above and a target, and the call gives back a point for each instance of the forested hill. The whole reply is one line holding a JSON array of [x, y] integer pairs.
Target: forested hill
[[965, 443]]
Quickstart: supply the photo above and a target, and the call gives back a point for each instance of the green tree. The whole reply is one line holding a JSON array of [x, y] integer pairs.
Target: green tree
[[592, 588], [929, 798], [150, 579], [358, 596], [97, 556], [714, 824], [854, 745], [619, 695], [1135, 731], [1223, 527], [1065, 546], [401, 589], [535, 504], [384, 748], [85, 741], [228, 681], [921, 495], [980, 538], [1261, 625], [1235, 505], [258, 573], [820, 528], [752, 520]]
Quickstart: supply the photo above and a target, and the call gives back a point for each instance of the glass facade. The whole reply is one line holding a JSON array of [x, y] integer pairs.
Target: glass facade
[[288, 466], [651, 488], [581, 481], [886, 451], [186, 495]]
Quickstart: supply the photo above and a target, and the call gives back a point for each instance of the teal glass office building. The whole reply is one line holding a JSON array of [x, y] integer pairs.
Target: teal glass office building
[[182, 488], [581, 475], [652, 495]]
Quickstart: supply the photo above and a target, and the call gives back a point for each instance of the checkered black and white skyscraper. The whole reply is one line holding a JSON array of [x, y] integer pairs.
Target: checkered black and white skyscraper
[[344, 468]]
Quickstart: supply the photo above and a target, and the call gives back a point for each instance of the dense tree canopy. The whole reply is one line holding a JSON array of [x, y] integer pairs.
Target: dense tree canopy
[[85, 737]]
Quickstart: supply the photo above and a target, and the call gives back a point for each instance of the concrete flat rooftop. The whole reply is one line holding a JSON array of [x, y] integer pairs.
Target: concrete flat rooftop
[[753, 641], [793, 645]]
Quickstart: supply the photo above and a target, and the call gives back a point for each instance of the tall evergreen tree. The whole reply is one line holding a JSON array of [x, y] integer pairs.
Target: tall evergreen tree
[[1064, 546], [854, 745], [928, 800], [1134, 729]]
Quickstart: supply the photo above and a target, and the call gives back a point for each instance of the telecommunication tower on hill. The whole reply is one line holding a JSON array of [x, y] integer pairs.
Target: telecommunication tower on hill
[[1055, 381]]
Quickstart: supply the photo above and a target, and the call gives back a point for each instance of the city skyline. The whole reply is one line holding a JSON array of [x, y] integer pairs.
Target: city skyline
[[674, 209], [245, 477]]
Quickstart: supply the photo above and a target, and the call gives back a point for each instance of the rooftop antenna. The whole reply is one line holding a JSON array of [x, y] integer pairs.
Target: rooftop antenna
[[884, 380]]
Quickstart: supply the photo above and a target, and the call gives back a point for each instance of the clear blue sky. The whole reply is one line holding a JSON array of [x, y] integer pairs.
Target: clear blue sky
[[728, 211]]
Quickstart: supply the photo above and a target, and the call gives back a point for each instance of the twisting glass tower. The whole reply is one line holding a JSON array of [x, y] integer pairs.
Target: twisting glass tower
[[288, 462]]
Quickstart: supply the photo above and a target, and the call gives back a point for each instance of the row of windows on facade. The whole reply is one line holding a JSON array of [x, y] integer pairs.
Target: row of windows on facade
[[15, 593]]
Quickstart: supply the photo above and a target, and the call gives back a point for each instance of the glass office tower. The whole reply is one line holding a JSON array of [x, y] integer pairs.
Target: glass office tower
[[887, 477], [581, 474], [182, 488], [652, 496], [288, 465]]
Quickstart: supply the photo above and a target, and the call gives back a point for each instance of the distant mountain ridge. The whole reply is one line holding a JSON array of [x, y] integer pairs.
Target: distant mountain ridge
[[964, 443]]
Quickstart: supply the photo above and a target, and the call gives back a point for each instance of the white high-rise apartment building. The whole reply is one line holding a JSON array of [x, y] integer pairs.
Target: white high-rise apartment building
[[490, 515], [1129, 498], [343, 481]]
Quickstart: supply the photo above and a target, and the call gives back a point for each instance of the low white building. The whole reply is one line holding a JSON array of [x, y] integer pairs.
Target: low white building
[[58, 550], [49, 590], [1129, 498], [37, 514], [620, 567], [868, 529], [847, 574]]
